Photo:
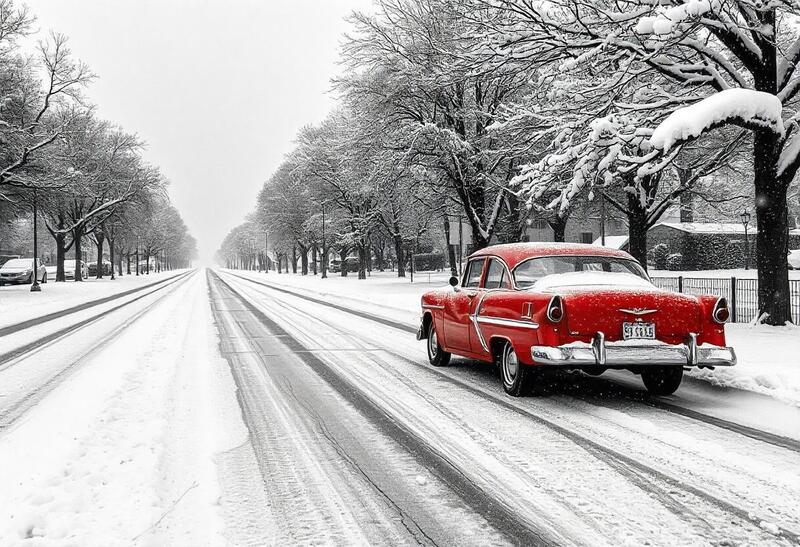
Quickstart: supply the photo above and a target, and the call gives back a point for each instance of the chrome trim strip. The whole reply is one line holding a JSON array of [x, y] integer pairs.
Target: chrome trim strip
[[507, 322], [637, 311], [474, 318], [432, 307]]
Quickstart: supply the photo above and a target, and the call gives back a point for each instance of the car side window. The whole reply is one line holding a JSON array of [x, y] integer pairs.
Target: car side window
[[473, 278], [496, 277]]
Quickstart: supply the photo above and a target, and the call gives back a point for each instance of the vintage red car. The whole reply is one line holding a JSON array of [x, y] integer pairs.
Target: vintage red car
[[529, 306]]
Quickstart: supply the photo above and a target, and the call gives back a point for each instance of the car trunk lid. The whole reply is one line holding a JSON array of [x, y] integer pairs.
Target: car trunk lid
[[589, 311]]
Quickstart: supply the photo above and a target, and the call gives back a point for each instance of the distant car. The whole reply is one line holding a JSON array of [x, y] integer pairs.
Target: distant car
[[20, 270], [794, 259], [69, 269], [532, 306], [106, 268]]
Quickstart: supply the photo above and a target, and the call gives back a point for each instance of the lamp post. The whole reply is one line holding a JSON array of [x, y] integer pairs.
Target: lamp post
[[324, 246], [745, 216], [35, 287]]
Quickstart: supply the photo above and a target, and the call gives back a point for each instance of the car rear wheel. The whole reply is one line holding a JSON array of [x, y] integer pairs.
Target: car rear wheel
[[517, 378], [44, 278], [662, 380], [436, 355]]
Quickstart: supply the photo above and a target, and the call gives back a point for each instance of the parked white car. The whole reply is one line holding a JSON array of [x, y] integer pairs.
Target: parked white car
[[794, 259], [20, 270]]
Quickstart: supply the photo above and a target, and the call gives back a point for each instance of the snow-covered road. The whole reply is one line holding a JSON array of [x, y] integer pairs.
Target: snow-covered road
[[218, 409]]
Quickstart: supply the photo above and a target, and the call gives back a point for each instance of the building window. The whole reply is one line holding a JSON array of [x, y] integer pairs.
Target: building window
[[539, 224], [587, 237]]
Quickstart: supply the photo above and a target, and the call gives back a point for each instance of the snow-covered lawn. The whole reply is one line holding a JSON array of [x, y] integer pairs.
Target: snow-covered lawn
[[18, 303], [769, 357], [738, 273]]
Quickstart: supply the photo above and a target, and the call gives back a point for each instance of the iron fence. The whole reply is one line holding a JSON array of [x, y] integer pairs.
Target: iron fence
[[742, 294]]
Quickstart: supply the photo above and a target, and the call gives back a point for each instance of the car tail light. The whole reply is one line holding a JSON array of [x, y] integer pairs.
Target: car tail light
[[555, 310], [721, 313]]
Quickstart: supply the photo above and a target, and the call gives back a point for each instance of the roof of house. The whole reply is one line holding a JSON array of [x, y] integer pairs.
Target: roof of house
[[732, 228], [514, 253], [614, 242]]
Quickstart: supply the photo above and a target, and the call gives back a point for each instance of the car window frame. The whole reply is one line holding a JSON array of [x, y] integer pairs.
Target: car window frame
[[468, 270], [505, 277]]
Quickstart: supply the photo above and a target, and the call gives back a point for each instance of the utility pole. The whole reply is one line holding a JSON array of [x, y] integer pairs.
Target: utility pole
[[35, 287], [603, 218]]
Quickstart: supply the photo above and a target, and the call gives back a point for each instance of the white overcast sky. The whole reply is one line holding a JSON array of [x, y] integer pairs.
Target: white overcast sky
[[217, 88]]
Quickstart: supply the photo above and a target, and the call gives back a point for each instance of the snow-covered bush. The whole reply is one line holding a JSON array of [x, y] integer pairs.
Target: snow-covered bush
[[675, 261]]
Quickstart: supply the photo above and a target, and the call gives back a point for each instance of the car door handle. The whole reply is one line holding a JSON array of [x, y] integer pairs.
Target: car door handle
[[471, 294]]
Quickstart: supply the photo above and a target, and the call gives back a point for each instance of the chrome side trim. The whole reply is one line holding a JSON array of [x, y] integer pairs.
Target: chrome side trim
[[432, 307], [474, 318], [507, 322]]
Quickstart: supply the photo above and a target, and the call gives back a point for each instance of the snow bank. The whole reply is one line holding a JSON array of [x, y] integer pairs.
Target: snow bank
[[752, 107], [767, 362]]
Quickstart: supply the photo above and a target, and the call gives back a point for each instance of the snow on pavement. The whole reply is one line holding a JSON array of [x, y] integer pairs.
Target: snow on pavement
[[767, 356], [123, 452], [18, 303]]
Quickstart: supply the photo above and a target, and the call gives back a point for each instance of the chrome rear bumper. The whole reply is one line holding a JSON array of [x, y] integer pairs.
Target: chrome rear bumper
[[628, 354]]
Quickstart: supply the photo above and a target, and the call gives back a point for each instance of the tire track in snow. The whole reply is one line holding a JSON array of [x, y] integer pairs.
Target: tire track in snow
[[753, 433], [657, 483], [11, 329], [10, 414], [21, 352], [517, 529]]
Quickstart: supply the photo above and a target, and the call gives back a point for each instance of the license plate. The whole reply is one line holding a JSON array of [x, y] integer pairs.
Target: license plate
[[632, 331]]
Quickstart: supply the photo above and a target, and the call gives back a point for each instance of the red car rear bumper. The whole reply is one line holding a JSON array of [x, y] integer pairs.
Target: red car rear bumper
[[634, 354]]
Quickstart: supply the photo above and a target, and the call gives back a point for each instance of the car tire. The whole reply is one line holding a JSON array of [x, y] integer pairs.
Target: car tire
[[437, 356], [44, 278], [662, 380], [517, 378], [30, 279]]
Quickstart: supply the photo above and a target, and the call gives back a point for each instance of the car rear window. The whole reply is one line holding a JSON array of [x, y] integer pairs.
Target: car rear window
[[529, 272]]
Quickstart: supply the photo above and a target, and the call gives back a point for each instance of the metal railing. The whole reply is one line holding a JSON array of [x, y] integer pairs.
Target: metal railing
[[742, 294]]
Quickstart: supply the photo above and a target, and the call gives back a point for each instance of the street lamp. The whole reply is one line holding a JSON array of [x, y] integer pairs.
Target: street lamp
[[745, 216], [35, 287], [324, 246]]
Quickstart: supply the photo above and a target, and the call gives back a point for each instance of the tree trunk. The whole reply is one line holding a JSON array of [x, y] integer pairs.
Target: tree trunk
[[294, 260], [772, 238], [343, 258], [362, 261], [398, 251], [637, 230], [100, 240], [559, 226], [303, 259], [111, 256], [128, 260], [77, 236], [61, 252], [314, 258]]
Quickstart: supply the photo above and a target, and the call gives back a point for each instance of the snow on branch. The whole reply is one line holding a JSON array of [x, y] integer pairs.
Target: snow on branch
[[745, 107], [668, 19]]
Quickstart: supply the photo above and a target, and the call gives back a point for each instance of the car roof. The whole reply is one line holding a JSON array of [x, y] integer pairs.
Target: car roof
[[514, 253]]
